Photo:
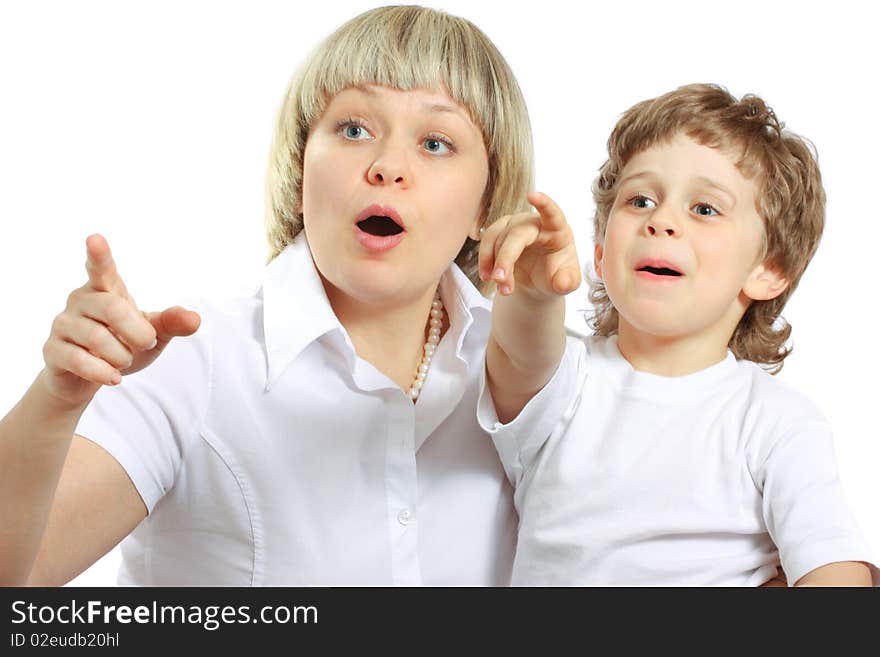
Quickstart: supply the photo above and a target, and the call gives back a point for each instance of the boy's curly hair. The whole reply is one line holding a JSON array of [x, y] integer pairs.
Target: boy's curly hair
[[791, 200]]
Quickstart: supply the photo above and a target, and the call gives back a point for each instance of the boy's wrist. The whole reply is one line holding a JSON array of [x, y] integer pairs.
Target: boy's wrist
[[534, 297]]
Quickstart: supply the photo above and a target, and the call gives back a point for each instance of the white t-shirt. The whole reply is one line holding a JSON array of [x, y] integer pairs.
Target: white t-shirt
[[268, 453], [627, 478]]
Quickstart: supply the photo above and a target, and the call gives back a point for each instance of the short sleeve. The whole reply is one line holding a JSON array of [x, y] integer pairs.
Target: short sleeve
[[519, 441], [804, 505], [147, 421]]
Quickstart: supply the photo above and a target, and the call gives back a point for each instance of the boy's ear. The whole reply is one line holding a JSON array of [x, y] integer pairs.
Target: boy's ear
[[765, 283], [597, 259]]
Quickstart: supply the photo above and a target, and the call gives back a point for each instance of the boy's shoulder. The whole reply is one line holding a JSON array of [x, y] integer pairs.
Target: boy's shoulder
[[774, 399]]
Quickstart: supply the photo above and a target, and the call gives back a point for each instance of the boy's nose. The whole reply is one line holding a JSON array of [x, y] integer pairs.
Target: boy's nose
[[662, 223], [655, 229]]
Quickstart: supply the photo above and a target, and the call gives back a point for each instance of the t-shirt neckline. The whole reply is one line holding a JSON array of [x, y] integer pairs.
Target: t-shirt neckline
[[667, 389]]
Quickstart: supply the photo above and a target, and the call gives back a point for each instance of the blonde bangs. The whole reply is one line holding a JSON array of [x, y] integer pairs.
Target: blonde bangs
[[406, 50]]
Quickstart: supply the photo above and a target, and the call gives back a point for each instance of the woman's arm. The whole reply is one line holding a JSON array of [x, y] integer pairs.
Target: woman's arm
[[64, 501]]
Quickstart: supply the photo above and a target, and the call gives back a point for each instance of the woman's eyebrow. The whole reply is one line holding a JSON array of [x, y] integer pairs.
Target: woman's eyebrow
[[440, 107], [457, 113]]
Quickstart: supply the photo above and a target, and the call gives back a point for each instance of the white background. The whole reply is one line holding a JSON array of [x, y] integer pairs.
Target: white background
[[150, 123]]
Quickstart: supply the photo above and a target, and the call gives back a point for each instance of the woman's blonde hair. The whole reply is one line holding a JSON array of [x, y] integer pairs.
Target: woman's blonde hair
[[405, 47], [790, 199]]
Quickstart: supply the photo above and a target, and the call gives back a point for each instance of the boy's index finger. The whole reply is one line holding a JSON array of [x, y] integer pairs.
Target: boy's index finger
[[552, 217], [101, 267]]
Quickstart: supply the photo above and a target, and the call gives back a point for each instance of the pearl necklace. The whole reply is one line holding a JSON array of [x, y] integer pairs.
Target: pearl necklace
[[436, 325]]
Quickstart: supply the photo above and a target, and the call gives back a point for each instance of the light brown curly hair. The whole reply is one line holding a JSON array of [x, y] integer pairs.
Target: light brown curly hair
[[790, 200]]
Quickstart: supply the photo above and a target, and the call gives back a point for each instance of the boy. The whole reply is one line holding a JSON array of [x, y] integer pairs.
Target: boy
[[660, 452]]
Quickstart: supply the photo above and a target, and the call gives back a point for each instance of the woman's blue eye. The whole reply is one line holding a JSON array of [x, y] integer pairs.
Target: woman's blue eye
[[436, 146], [354, 131], [704, 210], [642, 202]]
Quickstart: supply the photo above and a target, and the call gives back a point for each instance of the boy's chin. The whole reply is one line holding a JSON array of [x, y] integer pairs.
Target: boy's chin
[[656, 324], [674, 327]]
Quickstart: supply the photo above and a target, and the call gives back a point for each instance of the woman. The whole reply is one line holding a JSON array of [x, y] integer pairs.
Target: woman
[[291, 440]]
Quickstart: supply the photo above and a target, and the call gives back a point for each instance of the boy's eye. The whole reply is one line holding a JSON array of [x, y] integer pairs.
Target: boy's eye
[[438, 146], [704, 210], [642, 202]]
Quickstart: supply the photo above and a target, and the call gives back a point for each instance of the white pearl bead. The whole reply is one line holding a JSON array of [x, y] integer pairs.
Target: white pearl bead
[[436, 326]]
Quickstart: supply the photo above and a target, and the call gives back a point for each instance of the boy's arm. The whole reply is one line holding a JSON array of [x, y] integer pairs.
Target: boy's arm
[[532, 259], [804, 505], [842, 573]]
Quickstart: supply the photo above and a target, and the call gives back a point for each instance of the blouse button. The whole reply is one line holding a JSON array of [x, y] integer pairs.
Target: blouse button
[[404, 517]]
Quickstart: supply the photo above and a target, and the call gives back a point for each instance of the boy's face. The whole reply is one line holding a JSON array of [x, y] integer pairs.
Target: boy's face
[[682, 250], [392, 185]]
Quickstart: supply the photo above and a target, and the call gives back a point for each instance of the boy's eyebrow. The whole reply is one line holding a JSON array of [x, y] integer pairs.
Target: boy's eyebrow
[[638, 174], [702, 179], [721, 188]]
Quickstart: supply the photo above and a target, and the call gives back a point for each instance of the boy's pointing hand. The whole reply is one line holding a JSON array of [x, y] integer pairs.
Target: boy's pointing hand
[[533, 250]]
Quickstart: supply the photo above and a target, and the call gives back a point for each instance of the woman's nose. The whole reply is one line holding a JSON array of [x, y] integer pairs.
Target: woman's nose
[[390, 167]]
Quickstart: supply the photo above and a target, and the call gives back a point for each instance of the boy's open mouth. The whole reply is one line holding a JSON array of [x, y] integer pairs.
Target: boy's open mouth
[[660, 271], [379, 225]]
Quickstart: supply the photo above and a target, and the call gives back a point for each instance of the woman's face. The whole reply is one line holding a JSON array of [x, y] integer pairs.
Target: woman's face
[[393, 183]]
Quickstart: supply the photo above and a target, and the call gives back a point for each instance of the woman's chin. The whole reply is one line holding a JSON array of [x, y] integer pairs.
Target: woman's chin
[[371, 288]]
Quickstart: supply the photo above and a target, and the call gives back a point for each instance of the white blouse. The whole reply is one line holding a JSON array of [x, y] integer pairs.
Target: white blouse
[[268, 453]]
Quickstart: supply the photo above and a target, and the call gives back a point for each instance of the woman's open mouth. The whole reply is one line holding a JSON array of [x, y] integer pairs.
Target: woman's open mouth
[[379, 228]]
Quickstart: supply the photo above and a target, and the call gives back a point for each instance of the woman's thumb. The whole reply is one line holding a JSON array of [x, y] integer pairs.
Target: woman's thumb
[[173, 322]]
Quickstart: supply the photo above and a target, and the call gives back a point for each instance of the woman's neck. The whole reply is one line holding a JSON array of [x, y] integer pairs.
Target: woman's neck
[[390, 337]]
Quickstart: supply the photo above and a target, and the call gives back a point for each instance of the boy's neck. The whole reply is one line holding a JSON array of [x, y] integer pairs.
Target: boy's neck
[[390, 337], [670, 356]]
